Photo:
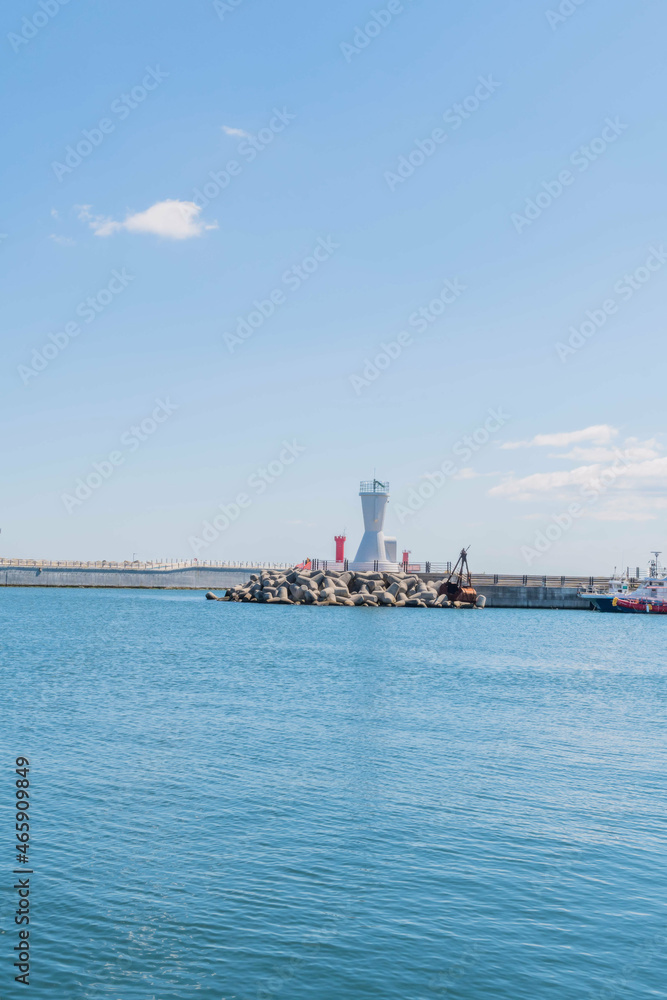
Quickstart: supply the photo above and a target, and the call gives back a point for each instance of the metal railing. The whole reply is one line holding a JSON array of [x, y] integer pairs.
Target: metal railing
[[373, 486], [599, 583], [588, 583], [167, 564]]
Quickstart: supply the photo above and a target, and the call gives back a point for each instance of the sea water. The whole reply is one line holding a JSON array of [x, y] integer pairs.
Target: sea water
[[292, 803]]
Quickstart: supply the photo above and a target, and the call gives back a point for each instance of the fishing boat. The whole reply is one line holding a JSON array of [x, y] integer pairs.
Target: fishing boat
[[618, 586], [649, 598], [644, 600]]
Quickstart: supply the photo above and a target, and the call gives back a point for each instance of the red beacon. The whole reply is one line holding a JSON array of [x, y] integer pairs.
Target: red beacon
[[340, 547]]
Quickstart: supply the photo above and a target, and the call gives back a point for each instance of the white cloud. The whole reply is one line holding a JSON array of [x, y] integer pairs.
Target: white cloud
[[622, 515], [238, 132], [63, 241], [171, 219], [470, 473], [598, 434], [629, 483], [55, 214], [635, 450], [527, 487]]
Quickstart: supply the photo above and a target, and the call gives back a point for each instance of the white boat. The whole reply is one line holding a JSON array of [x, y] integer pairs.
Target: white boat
[[649, 597]]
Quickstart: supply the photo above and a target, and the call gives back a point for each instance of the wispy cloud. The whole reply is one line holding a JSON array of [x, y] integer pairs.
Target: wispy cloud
[[63, 241], [597, 434], [470, 473], [55, 214], [617, 510], [637, 469], [635, 450], [527, 487], [170, 219], [238, 132]]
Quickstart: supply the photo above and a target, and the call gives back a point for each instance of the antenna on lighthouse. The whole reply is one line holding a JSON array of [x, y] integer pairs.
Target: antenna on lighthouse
[[372, 553]]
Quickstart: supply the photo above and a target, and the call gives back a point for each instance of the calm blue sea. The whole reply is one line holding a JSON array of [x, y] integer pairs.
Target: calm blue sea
[[273, 803]]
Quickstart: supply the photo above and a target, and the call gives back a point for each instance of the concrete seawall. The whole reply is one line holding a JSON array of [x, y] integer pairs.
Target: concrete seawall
[[219, 578], [559, 598], [526, 596], [186, 578]]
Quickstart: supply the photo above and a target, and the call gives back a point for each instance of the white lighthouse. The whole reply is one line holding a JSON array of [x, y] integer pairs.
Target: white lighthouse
[[372, 553]]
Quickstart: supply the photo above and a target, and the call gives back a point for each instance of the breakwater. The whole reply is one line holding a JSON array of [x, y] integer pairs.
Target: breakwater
[[391, 589], [501, 591], [347, 589]]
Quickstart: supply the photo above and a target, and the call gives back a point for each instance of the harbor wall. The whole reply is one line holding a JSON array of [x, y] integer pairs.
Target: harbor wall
[[526, 596], [218, 579], [186, 578], [556, 598]]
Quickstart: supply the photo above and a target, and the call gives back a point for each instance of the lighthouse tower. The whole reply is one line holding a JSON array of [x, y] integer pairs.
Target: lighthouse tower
[[372, 553]]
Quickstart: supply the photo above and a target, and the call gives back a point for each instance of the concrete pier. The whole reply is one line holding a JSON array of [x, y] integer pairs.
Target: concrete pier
[[177, 578], [556, 598], [508, 592], [535, 593]]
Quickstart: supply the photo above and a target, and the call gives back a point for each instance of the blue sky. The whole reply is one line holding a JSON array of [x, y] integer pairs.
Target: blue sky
[[451, 190]]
